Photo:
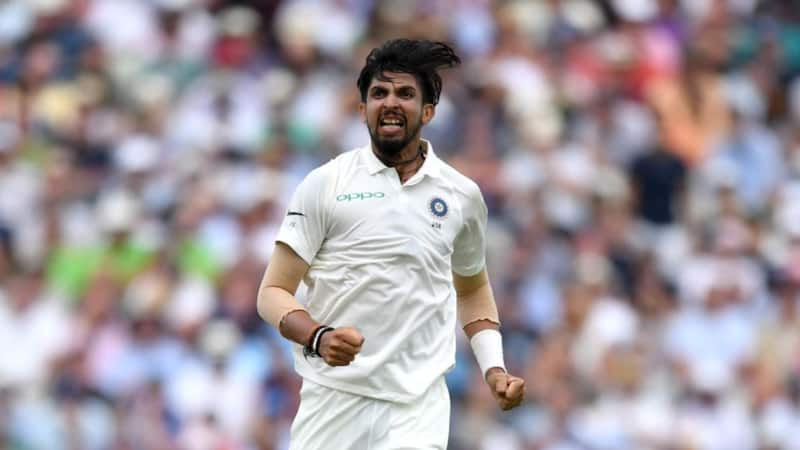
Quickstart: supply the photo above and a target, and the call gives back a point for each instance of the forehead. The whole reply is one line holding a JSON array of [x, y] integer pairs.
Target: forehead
[[394, 79]]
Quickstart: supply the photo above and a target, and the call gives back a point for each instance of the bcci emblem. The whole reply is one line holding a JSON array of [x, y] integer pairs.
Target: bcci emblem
[[438, 207]]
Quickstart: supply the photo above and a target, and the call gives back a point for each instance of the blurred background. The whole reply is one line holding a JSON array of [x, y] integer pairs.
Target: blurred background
[[640, 160]]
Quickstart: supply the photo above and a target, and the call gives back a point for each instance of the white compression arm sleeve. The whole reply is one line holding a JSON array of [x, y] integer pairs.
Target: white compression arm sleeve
[[487, 345]]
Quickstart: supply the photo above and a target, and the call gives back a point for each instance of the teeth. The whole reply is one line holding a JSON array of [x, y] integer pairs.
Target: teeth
[[392, 122]]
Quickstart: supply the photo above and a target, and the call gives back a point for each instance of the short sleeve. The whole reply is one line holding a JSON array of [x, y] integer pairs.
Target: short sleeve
[[469, 248], [305, 223]]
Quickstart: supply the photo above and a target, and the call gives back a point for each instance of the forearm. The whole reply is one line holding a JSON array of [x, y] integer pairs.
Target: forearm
[[276, 302], [299, 327], [477, 310], [337, 346], [478, 315], [487, 346], [282, 310], [473, 328]]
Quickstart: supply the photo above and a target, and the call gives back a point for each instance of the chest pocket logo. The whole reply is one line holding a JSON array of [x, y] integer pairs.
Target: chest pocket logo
[[359, 196], [438, 207]]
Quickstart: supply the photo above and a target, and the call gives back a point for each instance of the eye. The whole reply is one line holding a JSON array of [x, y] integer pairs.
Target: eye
[[378, 93], [406, 93]]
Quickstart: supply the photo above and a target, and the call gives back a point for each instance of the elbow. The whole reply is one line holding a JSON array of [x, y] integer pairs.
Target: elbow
[[265, 298]]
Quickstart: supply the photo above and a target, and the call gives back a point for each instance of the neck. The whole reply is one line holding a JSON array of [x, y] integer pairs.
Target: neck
[[407, 162], [408, 153]]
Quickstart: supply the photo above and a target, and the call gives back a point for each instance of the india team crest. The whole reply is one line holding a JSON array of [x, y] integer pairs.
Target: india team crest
[[438, 207]]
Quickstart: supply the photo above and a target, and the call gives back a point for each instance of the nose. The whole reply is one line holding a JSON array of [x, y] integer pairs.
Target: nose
[[391, 100]]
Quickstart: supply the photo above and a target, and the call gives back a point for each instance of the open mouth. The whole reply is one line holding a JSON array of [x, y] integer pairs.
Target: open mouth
[[391, 125]]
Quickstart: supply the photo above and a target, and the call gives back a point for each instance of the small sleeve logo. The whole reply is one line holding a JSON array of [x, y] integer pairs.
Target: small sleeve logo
[[438, 207]]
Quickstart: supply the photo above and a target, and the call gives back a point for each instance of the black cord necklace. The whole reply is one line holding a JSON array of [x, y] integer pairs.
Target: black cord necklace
[[420, 154]]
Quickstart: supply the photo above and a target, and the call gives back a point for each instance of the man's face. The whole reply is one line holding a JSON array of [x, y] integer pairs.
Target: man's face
[[394, 112]]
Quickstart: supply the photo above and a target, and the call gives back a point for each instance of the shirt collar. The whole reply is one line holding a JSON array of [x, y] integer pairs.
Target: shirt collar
[[431, 166]]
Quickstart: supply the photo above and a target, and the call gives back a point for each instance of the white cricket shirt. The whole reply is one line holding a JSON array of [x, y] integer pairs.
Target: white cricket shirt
[[381, 258]]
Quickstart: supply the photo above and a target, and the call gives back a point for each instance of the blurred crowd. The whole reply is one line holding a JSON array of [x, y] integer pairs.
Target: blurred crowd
[[640, 160]]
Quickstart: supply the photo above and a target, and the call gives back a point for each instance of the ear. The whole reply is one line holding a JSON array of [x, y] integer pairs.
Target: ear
[[362, 111], [428, 111]]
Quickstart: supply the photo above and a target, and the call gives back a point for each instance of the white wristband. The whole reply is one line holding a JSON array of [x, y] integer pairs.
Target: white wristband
[[487, 345]]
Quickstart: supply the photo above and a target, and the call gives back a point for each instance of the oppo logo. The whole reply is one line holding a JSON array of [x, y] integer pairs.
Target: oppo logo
[[359, 196]]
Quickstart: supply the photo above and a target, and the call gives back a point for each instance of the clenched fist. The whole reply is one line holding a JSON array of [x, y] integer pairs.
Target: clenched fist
[[340, 346], [507, 389]]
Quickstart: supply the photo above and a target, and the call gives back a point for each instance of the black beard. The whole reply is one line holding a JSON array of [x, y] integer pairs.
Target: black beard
[[390, 148]]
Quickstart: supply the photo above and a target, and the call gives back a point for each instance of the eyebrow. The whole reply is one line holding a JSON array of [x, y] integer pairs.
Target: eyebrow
[[406, 88]]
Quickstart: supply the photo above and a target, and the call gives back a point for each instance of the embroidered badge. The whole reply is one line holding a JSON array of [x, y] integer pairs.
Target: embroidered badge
[[438, 207]]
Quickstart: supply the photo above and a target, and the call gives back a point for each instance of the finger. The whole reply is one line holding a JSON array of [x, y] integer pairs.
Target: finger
[[335, 352], [509, 402], [337, 362], [515, 386], [344, 347], [500, 385], [351, 336], [343, 356]]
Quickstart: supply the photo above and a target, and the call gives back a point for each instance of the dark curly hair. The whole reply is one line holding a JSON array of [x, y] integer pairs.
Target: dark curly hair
[[420, 58]]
